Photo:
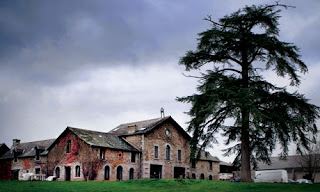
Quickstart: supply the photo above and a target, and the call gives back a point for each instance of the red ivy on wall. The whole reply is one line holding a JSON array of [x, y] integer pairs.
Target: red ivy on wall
[[75, 146], [119, 161], [26, 164]]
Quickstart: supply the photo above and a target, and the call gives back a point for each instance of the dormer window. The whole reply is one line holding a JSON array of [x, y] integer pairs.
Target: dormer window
[[37, 154], [68, 146], [15, 156]]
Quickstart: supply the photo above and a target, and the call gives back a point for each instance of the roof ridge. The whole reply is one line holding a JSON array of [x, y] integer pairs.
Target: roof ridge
[[38, 141], [159, 118], [89, 130]]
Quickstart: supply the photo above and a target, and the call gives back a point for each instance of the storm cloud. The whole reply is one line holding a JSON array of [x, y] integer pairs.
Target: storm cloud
[[96, 64]]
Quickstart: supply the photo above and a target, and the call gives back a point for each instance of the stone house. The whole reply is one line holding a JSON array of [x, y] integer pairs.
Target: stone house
[[79, 154], [165, 150], [156, 148], [30, 157]]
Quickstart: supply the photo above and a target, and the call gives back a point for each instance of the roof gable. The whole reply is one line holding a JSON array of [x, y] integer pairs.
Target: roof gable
[[143, 127]]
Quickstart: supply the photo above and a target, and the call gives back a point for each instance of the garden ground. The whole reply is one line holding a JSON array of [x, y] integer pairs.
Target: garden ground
[[150, 185]]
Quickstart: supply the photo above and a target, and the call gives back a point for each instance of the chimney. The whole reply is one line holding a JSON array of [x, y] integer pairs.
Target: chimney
[[132, 128], [15, 142], [162, 112]]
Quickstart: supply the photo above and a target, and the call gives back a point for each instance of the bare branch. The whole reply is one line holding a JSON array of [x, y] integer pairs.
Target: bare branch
[[191, 76]]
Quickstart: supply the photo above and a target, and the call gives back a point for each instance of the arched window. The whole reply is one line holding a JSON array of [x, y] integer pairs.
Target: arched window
[[202, 176], [119, 173], [106, 172], [193, 176], [57, 172], [77, 171], [131, 171], [210, 177], [167, 152]]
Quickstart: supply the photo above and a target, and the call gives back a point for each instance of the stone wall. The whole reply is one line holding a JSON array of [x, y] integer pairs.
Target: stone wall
[[88, 158]]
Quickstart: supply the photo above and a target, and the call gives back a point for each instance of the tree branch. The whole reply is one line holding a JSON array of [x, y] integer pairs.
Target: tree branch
[[229, 69], [191, 76]]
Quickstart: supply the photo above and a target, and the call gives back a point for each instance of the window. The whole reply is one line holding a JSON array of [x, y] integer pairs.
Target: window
[[68, 146], [156, 152], [77, 171], [131, 171], [102, 154], [179, 155], [37, 170], [167, 152], [37, 154], [133, 157], [15, 158], [210, 165], [106, 172], [57, 172], [193, 163]]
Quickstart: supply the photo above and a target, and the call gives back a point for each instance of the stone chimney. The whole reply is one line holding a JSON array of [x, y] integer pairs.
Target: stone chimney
[[132, 128], [15, 142]]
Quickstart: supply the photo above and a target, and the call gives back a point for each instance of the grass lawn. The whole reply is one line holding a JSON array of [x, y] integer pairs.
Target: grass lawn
[[150, 185]]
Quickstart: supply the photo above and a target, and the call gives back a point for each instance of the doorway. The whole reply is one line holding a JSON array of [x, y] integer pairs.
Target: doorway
[[155, 171], [179, 172], [119, 173], [68, 173], [15, 174]]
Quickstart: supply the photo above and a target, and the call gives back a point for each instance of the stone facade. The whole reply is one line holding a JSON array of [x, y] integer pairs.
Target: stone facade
[[157, 148]]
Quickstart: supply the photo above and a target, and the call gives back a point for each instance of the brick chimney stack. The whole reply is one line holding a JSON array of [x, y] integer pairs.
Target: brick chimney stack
[[15, 142]]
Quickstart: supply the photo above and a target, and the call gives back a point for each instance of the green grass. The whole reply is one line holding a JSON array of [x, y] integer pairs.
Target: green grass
[[150, 185]]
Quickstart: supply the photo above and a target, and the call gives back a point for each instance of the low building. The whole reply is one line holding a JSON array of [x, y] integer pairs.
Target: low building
[[30, 157], [226, 171], [294, 165]]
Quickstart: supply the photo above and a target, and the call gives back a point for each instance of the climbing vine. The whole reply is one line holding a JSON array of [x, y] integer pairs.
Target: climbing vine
[[75, 147], [26, 164], [118, 161]]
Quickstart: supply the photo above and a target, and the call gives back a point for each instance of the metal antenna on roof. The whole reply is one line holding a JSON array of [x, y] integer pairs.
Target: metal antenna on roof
[[162, 112]]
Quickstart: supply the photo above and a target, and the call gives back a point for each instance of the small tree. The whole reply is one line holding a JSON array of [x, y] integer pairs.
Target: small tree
[[238, 46]]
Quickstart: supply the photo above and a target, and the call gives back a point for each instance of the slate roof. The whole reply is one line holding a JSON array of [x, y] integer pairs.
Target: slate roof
[[145, 126], [102, 139], [27, 149], [293, 161], [206, 156], [226, 164]]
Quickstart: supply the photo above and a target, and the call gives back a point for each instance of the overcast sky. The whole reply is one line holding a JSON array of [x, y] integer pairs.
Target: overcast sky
[[97, 64]]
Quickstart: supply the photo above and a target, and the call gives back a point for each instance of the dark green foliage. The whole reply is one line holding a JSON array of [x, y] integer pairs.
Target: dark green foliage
[[240, 46]]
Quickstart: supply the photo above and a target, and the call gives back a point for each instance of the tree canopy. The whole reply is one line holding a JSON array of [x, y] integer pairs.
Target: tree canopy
[[240, 46]]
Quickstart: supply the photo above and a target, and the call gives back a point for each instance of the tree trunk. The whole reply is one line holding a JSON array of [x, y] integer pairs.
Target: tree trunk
[[245, 114], [245, 157]]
